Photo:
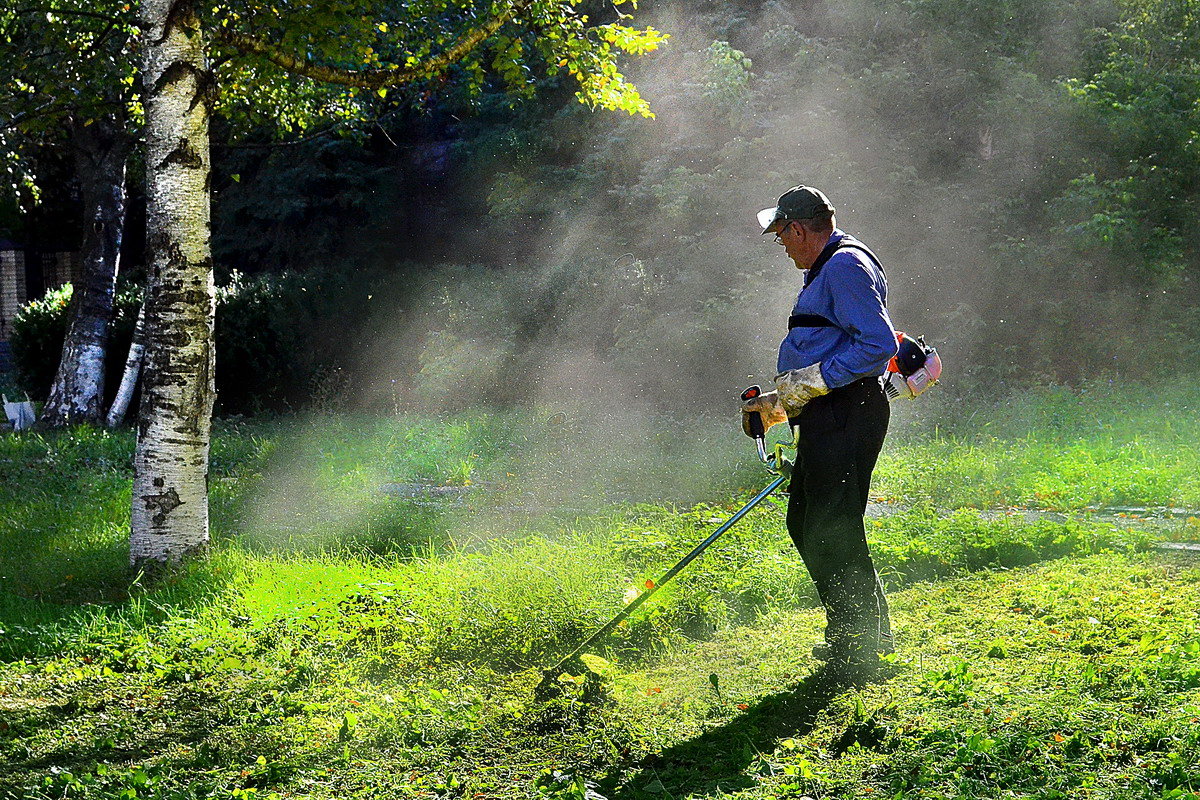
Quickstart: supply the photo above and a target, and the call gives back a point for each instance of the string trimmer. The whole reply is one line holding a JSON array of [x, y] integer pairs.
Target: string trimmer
[[776, 464]]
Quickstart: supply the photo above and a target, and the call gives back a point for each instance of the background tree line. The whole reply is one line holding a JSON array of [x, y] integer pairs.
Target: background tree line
[[1028, 170], [283, 56]]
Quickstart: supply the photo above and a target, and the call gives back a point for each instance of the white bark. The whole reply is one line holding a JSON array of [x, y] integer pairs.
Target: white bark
[[170, 499], [77, 394], [133, 367]]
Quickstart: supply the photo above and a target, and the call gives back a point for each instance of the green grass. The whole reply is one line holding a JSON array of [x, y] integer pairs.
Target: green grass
[[342, 641], [1105, 445], [1048, 681], [1039, 681]]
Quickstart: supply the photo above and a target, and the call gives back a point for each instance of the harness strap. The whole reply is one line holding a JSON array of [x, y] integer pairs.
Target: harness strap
[[816, 320], [844, 243], [809, 321]]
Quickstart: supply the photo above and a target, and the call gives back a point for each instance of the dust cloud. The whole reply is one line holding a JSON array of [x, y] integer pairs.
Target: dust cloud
[[624, 311]]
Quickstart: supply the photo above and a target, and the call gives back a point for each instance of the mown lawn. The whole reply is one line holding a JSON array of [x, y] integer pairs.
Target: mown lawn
[[355, 632], [1080, 674]]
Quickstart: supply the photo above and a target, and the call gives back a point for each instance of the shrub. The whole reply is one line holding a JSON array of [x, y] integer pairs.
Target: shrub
[[273, 339], [37, 338], [266, 353], [41, 326]]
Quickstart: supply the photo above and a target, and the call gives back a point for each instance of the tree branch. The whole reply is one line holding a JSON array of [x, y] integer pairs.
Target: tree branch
[[281, 144], [53, 108], [372, 78], [44, 110], [99, 42], [74, 12]]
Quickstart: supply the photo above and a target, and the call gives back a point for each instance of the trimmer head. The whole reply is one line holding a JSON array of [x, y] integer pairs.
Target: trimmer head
[[549, 687]]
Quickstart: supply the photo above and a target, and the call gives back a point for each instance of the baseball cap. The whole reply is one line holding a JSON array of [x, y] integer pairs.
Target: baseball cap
[[798, 202]]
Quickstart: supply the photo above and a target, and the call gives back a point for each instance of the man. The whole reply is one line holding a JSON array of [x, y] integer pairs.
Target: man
[[839, 342]]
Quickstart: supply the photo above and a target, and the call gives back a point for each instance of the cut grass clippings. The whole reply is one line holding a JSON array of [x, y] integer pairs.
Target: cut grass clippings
[[1074, 677], [1040, 681]]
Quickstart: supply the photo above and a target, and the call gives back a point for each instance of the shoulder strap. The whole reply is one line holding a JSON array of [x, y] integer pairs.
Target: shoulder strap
[[845, 243]]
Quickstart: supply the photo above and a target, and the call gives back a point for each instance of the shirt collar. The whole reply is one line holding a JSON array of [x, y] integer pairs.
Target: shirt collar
[[834, 239]]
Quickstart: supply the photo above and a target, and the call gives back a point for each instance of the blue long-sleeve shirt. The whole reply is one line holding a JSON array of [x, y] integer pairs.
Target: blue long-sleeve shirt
[[851, 292]]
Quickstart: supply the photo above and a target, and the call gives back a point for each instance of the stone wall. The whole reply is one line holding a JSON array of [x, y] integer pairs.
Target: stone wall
[[12, 289]]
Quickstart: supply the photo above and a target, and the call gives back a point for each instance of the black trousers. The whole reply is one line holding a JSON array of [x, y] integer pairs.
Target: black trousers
[[841, 434]]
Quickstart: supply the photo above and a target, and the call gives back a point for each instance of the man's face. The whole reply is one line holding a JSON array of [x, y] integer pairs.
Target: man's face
[[793, 237]]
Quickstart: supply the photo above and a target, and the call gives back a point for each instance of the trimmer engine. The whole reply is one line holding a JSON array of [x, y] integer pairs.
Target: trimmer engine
[[915, 367]]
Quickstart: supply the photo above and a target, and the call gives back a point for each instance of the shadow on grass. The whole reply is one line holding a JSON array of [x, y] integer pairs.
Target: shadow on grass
[[187, 735], [715, 762], [46, 625], [82, 757]]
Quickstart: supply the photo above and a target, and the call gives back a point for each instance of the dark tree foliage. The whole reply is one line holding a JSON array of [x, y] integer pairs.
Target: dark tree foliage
[[1028, 169]]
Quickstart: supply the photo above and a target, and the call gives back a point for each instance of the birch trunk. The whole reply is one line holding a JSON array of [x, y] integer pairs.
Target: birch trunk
[[170, 499], [133, 367], [77, 394]]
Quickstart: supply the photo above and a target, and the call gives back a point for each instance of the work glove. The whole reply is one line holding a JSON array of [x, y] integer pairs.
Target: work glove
[[768, 407], [797, 386]]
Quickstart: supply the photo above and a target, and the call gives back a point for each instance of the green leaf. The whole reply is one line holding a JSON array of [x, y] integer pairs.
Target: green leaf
[[598, 665]]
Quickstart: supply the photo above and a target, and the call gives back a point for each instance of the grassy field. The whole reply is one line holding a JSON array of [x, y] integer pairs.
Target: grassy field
[[382, 593]]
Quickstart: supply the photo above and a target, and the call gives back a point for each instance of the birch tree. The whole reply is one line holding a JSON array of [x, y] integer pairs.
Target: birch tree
[[170, 492], [130, 373], [66, 79], [387, 45], [102, 151]]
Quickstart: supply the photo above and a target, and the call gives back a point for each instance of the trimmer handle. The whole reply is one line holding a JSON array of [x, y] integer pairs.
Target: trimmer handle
[[755, 419]]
